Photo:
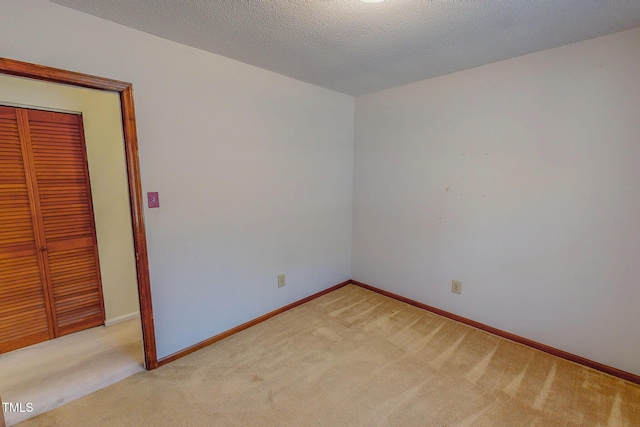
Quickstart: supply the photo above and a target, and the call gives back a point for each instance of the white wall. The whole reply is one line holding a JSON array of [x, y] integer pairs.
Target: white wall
[[254, 169], [540, 219], [520, 179], [102, 122]]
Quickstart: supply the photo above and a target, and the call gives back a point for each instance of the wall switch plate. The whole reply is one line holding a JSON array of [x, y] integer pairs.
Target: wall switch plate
[[281, 281], [456, 287], [154, 201]]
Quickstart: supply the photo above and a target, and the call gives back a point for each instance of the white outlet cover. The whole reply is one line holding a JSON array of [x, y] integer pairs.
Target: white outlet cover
[[456, 287]]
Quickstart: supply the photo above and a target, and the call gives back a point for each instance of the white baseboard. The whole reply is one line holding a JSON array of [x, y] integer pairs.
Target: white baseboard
[[120, 319]]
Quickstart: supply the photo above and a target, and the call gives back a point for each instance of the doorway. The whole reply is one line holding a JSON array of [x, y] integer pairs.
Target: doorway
[[125, 93]]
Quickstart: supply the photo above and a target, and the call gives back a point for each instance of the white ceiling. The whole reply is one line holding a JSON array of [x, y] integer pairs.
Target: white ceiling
[[357, 48]]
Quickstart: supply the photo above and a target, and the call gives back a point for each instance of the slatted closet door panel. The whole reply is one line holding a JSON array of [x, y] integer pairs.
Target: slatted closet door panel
[[59, 158], [24, 309]]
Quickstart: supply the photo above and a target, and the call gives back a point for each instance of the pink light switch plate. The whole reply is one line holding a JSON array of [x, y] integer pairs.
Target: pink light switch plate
[[154, 202]]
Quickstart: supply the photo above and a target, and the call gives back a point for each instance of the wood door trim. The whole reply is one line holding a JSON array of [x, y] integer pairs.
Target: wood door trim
[[55, 75], [137, 218]]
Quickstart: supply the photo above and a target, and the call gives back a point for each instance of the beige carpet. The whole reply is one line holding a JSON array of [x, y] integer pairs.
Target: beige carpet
[[52, 373], [356, 358]]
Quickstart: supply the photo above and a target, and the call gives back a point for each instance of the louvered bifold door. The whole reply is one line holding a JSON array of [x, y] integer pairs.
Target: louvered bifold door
[[24, 303], [70, 247]]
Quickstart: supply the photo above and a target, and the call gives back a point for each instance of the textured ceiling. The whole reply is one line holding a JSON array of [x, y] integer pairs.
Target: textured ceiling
[[357, 48]]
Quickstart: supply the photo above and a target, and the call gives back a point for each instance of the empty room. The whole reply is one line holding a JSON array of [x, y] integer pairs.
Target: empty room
[[322, 213]]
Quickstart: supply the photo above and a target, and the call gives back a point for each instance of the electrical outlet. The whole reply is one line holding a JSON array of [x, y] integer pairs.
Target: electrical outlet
[[281, 281], [456, 287]]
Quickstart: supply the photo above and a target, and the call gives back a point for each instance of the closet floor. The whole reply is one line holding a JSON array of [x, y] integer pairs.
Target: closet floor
[[55, 372]]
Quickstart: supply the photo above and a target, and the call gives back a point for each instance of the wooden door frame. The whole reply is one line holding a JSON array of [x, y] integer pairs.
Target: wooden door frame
[[55, 75]]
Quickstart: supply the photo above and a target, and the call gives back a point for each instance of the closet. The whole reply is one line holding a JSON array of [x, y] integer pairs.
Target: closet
[[49, 270]]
